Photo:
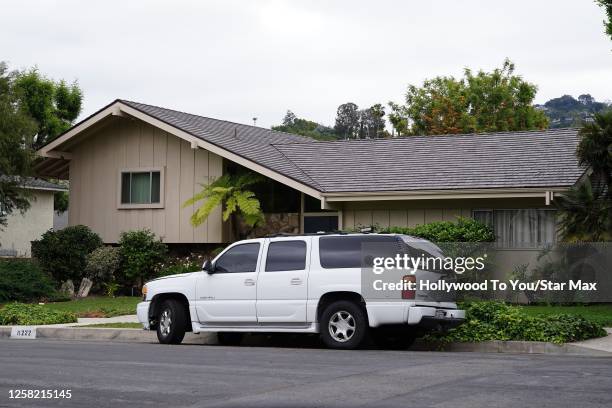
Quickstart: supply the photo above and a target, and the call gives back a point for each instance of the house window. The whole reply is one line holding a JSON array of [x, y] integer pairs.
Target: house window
[[520, 228], [141, 188]]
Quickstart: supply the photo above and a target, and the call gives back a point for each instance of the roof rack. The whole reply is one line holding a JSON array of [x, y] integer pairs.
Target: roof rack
[[311, 234]]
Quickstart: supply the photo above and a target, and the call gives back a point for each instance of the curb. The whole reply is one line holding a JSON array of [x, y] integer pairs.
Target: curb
[[145, 336]]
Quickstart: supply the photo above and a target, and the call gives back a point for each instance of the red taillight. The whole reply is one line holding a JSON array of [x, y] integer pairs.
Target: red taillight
[[407, 293]]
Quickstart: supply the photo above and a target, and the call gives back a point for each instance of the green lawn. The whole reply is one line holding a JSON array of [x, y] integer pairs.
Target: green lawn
[[115, 325], [98, 306], [597, 313]]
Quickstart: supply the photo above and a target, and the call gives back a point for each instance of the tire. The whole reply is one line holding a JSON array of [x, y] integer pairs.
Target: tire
[[229, 338], [394, 338], [343, 325], [173, 331]]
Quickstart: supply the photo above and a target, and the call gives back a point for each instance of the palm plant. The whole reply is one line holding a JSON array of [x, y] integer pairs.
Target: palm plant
[[585, 214], [230, 190], [595, 150]]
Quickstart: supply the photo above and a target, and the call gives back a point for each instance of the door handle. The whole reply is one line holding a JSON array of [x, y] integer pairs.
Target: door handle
[[296, 281], [249, 282]]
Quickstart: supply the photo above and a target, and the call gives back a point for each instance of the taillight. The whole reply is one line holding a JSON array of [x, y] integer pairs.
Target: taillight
[[407, 293]]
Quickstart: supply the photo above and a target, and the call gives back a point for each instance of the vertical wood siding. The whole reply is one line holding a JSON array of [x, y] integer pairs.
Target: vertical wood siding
[[94, 178]]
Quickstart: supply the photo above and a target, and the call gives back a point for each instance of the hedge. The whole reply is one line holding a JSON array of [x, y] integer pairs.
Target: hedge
[[27, 314]]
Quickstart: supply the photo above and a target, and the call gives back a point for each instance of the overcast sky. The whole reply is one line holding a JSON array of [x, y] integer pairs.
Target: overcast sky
[[237, 59]]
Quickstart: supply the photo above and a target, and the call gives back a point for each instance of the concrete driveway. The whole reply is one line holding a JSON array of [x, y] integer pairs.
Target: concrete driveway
[[138, 375]]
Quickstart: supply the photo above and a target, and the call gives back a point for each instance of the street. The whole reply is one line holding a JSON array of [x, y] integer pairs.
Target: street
[[137, 375]]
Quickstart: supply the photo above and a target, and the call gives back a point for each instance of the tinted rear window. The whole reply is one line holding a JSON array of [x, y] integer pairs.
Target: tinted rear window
[[345, 252], [286, 256]]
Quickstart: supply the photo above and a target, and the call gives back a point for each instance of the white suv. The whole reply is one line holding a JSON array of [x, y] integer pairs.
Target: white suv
[[290, 284]]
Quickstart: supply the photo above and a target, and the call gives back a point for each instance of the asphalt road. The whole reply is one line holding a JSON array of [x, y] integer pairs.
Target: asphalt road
[[142, 375]]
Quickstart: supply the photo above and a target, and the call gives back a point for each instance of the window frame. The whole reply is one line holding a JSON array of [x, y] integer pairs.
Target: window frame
[[162, 183], [257, 261], [271, 243]]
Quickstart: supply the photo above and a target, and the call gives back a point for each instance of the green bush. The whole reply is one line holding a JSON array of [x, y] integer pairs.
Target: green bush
[[179, 266], [63, 253], [140, 253], [25, 314], [489, 320], [464, 230], [102, 264], [23, 280]]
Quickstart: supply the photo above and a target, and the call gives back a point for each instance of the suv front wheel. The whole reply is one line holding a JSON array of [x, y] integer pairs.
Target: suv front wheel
[[171, 324], [343, 325]]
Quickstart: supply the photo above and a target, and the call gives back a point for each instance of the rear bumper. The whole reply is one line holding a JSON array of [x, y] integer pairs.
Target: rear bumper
[[435, 318], [142, 311]]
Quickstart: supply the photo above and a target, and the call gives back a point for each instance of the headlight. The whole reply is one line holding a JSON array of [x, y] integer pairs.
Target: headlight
[[144, 292]]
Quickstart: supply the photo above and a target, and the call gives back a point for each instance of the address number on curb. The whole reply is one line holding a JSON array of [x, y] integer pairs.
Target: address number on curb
[[23, 332]]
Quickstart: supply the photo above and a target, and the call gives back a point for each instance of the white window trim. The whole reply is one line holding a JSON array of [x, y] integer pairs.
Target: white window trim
[[162, 184]]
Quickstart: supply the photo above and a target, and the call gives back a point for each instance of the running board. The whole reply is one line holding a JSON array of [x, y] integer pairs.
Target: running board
[[260, 328]]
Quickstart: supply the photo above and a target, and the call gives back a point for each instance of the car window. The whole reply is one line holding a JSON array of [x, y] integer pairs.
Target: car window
[[346, 252], [286, 256], [241, 258]]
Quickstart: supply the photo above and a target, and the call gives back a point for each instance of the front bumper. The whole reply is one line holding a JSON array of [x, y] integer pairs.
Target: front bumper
[[142, 311]]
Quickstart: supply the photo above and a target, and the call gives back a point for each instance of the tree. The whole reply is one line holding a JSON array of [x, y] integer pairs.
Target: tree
[[584, 214], [232, 191], [371, 122], [16, 154], [347, 120], [607, 6], [305, 127], [586, 210], [595, 151], [53, 105], [482, 102], [140, 252]]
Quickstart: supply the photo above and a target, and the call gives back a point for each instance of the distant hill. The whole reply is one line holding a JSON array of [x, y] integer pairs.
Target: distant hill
[[567, 111]]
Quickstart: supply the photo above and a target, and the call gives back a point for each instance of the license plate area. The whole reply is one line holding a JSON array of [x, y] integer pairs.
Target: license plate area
[[440, 314]]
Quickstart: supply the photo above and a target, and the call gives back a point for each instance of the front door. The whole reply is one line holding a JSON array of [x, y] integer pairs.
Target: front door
[[229, 294], [282, 283]]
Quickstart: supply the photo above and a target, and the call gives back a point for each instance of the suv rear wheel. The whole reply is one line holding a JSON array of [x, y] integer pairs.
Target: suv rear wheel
[[343, 325], [172, 322]]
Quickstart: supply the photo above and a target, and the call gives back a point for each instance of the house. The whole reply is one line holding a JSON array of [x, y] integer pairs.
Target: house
[[22, 229], [132, 165]]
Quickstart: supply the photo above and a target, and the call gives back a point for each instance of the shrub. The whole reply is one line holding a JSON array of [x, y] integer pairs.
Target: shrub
[[102, 263], [140, 253], [25, 314], [464, 230], [23, 280], [499, 321], [63, 253], [179, 265]]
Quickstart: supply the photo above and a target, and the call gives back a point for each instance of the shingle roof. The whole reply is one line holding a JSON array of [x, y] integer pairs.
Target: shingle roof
[[251, 142], [494, 160], [36, 183]]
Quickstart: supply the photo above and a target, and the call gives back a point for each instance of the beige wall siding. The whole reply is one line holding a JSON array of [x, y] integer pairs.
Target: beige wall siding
[[21, 229], [413, 212], [94, 183]]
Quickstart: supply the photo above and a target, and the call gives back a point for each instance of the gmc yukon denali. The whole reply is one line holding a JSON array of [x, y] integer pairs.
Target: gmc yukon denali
[[290, 284]]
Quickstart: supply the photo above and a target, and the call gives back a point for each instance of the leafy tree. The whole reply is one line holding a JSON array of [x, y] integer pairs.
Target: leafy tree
[[54, 105], [140, 252], [63, 253], [372, 122], [232, 191], [304, 127], [480, 102], [607, 6], [347, 120], [16, 154]]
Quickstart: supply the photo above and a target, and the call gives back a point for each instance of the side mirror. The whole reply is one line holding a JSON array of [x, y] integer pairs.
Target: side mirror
[[208, 267]]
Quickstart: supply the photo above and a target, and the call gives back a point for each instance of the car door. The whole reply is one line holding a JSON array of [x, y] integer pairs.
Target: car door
[[282, 282], [230, 292]]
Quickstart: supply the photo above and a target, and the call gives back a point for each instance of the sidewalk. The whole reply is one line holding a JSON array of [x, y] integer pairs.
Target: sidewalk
[[84, 321]]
